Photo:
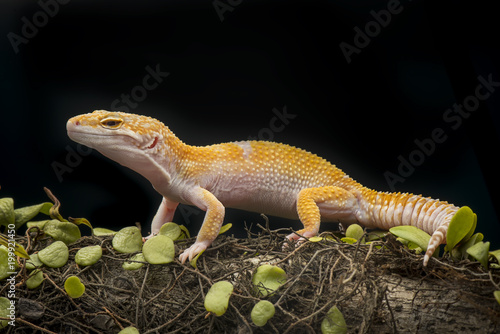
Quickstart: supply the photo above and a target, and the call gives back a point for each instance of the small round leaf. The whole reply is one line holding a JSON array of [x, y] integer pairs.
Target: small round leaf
[[354, 231], [4, 311], [159, 249], [129, 330], [74, 288], [268, 278], [217, 298], [262, 312], [131, 265], [7, 215], [88, 255], [6, 263], [35, 279], [334, 322], [128, 240], [171, 230], [55, 255], [33, 262], [62, 231]]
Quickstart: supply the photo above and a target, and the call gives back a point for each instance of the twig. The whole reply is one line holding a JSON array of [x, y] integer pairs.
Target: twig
[[24, 322], [157, 329]]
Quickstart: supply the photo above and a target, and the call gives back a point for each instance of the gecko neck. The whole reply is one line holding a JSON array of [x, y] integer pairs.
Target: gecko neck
[[162, 162]]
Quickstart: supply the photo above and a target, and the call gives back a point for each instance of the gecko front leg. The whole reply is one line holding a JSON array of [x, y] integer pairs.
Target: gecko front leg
[[212, 223], [164, 215]]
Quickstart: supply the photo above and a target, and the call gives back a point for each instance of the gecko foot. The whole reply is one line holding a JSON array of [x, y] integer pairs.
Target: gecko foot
[[299, 238], [148, 237], [192, 251]]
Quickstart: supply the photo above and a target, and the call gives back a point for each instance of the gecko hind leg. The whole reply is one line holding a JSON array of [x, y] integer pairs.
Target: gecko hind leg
[[330, 202]]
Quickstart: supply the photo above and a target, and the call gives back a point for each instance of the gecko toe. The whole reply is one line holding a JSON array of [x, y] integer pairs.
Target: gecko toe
[[192, 251]]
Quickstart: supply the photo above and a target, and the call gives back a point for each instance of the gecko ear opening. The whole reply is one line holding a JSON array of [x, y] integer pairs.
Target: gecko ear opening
[[155, 141]]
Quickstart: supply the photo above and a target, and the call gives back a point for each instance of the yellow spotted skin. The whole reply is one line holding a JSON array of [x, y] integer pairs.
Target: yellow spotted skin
[[258, 176]]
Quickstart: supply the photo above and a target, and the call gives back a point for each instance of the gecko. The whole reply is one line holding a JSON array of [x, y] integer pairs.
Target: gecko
[[259, 176]]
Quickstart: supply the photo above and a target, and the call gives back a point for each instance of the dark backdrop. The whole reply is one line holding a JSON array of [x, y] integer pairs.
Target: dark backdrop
[[373, 86]]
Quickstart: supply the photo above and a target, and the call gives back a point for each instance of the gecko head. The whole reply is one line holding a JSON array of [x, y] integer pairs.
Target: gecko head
[[125, 138]]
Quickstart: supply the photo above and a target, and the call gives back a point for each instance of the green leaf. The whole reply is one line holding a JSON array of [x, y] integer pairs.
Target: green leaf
[[40, 224], [18, 249], [5, 307], [171, 230], [195, 259], [7, 215], [473, 228], [129, 330], [334, 322], [460, 226], [354, 231], [496, 254], [74, 288], [100, 231], [80, 221], [25, 214], [7, 266], [262, 312], [267, 279], [185, 233], [88, 256], [348, 240], [33, 262], [413, 234], [62, 231], [497, 295], [217, 298], [460, 252], [35, 279], [414, 247], [480, 252], [225, 228], [315, 239], [55, 255], [130, 265], [128, 240], [159, 249]]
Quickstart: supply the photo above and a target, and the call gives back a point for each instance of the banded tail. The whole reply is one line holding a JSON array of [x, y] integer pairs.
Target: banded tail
[[386, 210]]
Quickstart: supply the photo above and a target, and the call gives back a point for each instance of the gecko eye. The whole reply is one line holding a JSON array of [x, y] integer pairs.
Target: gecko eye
[[112, 123]]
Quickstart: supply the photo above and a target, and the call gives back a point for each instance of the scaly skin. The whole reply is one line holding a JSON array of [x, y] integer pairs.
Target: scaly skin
[[258, 176]]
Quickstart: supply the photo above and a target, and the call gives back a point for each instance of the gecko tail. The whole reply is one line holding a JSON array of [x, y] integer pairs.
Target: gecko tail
[[437, 238], [386, 210]]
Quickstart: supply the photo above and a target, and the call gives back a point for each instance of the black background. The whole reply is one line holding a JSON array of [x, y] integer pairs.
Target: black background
[[228, 71]]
